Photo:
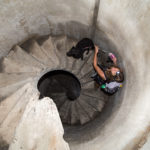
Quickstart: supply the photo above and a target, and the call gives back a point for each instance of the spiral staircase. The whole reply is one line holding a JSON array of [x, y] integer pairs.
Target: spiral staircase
[[26, 63]]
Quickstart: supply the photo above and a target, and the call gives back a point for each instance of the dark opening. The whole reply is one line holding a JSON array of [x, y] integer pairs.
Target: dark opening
[[59, 83]]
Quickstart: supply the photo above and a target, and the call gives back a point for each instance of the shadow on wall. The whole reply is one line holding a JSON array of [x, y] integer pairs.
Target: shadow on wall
[[3, 144], [72, 29]]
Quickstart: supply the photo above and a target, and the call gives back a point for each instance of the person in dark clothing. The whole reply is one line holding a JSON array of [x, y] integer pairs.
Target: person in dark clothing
[[108, 75]]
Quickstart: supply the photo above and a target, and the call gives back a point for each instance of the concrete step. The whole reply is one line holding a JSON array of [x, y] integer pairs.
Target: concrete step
[[61, 49], [22, 57], [20, 61], [75, 119], [64, 112], [95, 93], [86, 76], [88, 84], [87, 65], [8, 90], [77, 65], [11, 66], [60, 42], [37, 52], [84, 118], [50, 50], [90, 110], [12, 109], [7, 79], [96, 103], [8, 104]]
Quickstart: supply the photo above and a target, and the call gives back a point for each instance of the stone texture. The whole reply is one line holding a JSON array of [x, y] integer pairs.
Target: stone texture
[[10, 66], [7, 79], [122, 27], [49, 49], [21, 57], [61, 49], [12, 110], [88, 65], [89, 109], [84, 118], [19, 61], [40, 128], [36, 51], [8, 90], [36, 18], [75, 118]]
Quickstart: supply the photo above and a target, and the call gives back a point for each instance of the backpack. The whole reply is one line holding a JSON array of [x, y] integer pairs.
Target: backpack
[[111, 88]]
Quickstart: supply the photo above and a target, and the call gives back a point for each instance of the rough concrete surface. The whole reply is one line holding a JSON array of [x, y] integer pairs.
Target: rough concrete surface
[[40, 128], [23, 19], [122, 27]]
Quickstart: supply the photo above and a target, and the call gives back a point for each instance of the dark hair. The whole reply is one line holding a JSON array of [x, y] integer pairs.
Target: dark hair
[[119, 77]]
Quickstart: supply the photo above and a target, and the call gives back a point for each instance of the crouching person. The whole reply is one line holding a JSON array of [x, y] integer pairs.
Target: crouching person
[[108, 75]]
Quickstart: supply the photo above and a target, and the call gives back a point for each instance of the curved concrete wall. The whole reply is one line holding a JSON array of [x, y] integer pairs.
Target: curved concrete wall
[[122, 27], [27, 18], [126, 25]]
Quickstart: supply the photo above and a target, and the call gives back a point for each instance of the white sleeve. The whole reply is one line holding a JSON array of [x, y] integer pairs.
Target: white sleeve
[[112, 85]]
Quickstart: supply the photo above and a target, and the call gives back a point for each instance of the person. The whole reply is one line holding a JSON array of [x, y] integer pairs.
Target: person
[[108, 75]]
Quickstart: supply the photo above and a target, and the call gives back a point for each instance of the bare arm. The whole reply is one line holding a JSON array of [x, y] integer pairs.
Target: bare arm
[[114, 60], [97, 68]]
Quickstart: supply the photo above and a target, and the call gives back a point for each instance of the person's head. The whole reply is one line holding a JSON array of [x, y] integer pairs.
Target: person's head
[[114, 74]]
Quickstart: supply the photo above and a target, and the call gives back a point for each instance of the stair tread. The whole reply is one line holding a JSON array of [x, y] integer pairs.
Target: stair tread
[[36, 51], [60, 42], [10, 66], [87, 65], [84, 118], [16, 110], [76, 66], [65, 112], [7, 104], [89, 84], [7, 79], [61, 49], [74, 114], [49, 49], [95, 93], [94, 102], [20, 56], [91, 111], [8, 90], [86, 76], [80, 63]]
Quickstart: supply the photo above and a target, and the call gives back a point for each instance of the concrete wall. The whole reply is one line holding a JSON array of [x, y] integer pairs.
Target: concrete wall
[[27, 18], [123, 26]]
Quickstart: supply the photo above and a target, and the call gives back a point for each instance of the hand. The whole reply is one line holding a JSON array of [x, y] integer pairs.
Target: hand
[[96, 49], [114, 59]]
